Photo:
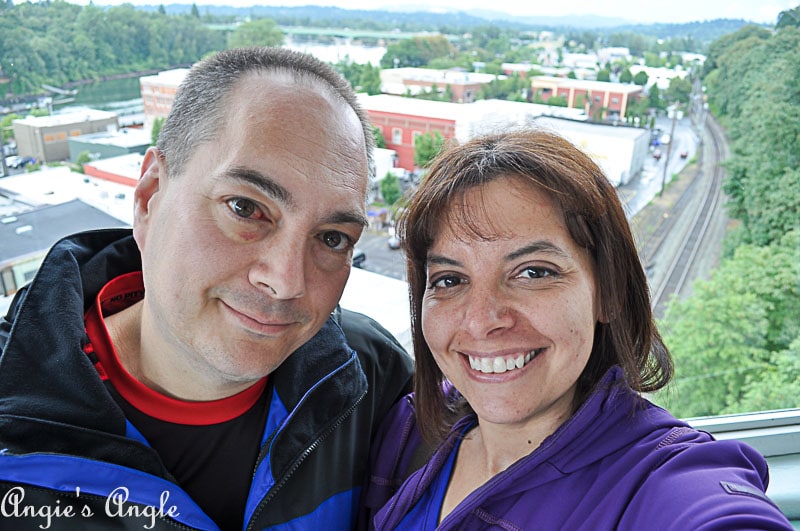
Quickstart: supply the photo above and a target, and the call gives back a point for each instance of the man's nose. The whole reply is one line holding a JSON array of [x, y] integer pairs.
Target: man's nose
[[279, 269]]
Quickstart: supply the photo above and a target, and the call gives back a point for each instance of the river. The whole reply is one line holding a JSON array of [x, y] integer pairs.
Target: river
[[123, 96]]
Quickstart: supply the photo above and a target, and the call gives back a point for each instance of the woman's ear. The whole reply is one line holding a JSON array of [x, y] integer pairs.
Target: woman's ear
[[151, 179]]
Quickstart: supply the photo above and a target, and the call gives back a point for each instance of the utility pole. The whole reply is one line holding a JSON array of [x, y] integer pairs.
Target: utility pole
[[669, 146]]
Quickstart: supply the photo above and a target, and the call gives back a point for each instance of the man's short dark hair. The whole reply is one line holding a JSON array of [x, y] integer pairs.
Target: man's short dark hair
[[199, 110]]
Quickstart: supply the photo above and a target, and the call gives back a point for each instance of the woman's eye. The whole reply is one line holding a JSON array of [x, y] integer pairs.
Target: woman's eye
[[336, 240], [445, 282], [536, 272], [244, 208]]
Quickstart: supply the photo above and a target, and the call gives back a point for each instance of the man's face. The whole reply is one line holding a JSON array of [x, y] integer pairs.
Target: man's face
[[246, 253]]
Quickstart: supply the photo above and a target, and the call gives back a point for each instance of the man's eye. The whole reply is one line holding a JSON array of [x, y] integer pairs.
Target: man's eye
[[336, 240], [244, 208]]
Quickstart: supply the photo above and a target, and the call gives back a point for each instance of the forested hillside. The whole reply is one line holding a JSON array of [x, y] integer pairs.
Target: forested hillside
[[736, 340], [58, 42]]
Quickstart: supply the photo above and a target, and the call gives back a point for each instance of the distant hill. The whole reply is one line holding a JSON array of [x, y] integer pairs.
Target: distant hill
[[421, 18]]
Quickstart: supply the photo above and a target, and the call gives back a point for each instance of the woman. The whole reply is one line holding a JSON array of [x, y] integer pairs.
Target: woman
[[530, 303]]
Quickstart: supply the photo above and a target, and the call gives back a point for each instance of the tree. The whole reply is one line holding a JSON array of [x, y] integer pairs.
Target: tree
[[83, 158], [641, 78], [417, 51], [655, 97], [626, 76], [426, 147], [789, 18], [390, 188], [258, 32], [158, 123], [679, 90], [195, 13], [369, 79], [380, 142], [603, 75], [735, 331], [6, 129]]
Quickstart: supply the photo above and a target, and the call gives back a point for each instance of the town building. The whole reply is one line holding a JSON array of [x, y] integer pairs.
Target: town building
[[28, 236], [108, 144], [158, 93], [600, 100], [401, 120], [463, 86], [46, 138], [620, 151], [123, 169]]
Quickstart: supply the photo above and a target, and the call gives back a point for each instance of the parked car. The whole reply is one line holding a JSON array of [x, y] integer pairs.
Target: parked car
[[17, 162], [359, 257], [684, 154], [393, 242], [657, 154]]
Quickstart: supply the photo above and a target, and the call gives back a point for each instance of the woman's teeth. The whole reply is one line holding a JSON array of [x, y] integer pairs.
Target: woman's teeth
[[502, 364]]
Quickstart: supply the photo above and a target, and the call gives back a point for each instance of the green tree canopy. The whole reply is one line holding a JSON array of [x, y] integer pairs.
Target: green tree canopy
[[426, 147], [679, 90], [417, 51], [738, 329], [158, 123], [390, 189], [380, 142], [258, 32]]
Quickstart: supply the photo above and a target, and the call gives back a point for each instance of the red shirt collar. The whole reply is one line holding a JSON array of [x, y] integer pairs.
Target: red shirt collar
[[118, 294]]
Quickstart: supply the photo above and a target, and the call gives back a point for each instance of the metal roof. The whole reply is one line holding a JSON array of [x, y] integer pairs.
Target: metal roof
[[34, 231]]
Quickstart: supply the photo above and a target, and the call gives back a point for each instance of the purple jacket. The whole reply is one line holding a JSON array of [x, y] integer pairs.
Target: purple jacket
[[619, 462]]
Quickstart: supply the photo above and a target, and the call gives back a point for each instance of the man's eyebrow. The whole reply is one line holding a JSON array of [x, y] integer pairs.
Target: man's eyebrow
[[264, 183], [348, 217]]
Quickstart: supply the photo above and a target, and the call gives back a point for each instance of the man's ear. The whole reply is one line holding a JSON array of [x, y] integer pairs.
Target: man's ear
[[152, 178]]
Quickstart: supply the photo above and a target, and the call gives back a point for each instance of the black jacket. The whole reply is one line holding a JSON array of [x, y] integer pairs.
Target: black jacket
[[63, 443]]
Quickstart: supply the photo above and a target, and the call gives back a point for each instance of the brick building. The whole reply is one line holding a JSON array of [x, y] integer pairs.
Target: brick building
[[158, 93], [598, 99], [401, 120], [464, 86]]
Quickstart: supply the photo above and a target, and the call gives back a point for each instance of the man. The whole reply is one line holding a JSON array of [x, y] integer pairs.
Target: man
[[196, 373]]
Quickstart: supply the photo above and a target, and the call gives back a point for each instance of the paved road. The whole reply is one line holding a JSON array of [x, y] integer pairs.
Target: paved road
[[637, 193], [381, 259]]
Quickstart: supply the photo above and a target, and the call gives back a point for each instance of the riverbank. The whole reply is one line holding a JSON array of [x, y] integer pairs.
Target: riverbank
[[25, 102]]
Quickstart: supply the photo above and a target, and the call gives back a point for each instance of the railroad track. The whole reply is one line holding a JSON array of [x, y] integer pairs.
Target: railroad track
[[707, 184]]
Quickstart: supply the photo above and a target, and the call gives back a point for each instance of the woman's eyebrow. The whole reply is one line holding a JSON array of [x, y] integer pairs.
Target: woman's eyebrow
[[438, 259], [538, 246]]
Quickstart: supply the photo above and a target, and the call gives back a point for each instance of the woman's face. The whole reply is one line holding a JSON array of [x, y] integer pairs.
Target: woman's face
[[510, 320]]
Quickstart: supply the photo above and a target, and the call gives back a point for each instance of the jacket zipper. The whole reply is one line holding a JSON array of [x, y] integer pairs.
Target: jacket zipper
[[271, 494]]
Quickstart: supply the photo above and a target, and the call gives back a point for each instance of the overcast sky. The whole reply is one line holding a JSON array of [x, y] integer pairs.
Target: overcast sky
[[642, 11]]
